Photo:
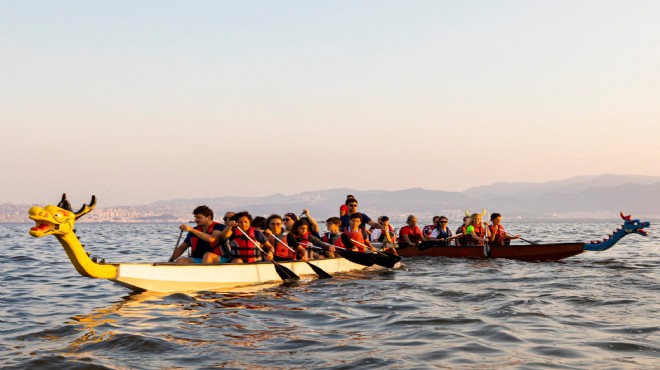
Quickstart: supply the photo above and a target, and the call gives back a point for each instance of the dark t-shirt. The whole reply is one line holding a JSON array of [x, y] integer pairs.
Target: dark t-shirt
[[346, 221], [202, 246]]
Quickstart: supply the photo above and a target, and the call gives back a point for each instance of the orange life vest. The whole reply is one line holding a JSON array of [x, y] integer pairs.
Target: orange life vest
[[242, 247]]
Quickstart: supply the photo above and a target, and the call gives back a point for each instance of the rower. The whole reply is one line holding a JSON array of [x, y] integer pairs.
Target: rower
[[202, 239], [496, 233], [242, 238], [411, 235]]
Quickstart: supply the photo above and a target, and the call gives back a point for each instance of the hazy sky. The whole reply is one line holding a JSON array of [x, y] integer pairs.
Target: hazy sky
[[137, 101]]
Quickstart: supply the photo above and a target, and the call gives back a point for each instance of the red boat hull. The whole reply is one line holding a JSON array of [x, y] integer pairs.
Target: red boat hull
[[537, 252]]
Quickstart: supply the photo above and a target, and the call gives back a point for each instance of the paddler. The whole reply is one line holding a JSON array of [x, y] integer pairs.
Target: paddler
[[245, 242], [496, 233], [202, 239], [277, 237], [475, 231], [411, 235]]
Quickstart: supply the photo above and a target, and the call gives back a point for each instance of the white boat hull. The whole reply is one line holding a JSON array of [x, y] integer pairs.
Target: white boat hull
[[169, 277]]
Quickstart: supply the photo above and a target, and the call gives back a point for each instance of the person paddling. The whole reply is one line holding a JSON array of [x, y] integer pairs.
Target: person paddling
[[242, 238], [496, 234], [476, 231], [411, 235], [202, 239], [355, 237], [462, 237], [277, 237], [442, 234]]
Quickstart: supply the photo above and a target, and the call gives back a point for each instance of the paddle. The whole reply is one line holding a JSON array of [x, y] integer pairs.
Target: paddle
[[380, 258], [431, 243], [486, 246], [283, 272], [525, 240], [177, 245], [319, 271]]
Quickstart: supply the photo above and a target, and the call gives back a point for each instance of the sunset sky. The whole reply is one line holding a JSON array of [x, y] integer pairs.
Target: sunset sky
[[137, 101]]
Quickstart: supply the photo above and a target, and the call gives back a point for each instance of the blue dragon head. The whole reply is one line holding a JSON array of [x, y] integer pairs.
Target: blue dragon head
[[634, 226]]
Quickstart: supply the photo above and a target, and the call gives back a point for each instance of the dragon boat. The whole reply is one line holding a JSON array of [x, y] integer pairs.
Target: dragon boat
[[172, 277], [530, 251]]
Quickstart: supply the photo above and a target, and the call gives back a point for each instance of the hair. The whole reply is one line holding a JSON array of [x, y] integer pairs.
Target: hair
[[410, 217], [242, 214], [383, 218], [272, 217], [350, 200], [204, 211], [291, 216], [296, 225], [441, 217], [356, 215], [465, 218], [436, 219], [260, 223], [333, 220], [350, 197], [494, 215]]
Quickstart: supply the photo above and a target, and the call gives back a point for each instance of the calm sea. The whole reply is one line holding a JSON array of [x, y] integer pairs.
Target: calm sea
[[598, 310]]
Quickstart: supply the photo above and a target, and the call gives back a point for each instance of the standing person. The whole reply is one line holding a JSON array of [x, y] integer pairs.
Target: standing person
[[241, 237], [343, 209], [428, 229], [277, 236], [202, 239], [411, 235], [496, 234], [352, 209], [475, 231], [461, 232], [442, 233]]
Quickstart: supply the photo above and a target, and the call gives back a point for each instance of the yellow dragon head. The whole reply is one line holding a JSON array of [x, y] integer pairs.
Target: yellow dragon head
[[57, 220]]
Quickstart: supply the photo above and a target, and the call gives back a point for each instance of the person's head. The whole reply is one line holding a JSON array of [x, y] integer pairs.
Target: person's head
[[229, 216], [243, 220], [300, 227], [352, 205], [333, 224], [411, 220], [349, 196], [288, 220], [259, 223], [436, 219], [274, 223], [466, 220], [203, 215], [442, 222], [495, 218], [355, 220], [383, 220], [475, 219]]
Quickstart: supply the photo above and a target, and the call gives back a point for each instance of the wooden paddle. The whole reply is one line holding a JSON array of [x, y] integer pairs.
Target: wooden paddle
[[319, 271], [283, 272], [177, 245], [525, 240]]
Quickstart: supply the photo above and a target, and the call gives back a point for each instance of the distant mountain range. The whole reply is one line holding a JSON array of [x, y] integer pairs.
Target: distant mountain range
[[600, 196], [582, 196]]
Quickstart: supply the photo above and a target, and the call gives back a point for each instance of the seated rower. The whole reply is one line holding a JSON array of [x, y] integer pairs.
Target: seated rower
[[442, 235], [277, 237], [428, 229], [496, 233], [242, 238], [475, 231], [355, 238], [384, 240], [202, 239], [301, 236], [411, 235], [333, 236], [462, 237]]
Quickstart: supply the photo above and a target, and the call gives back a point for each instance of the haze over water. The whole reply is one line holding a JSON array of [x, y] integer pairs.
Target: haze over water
[[595, 310]]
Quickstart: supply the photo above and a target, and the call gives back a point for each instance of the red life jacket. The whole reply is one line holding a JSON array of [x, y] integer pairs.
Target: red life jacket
[[244, 248], [194, 239], [280, 250], [357, 236], [478, 231], [465, 238], [499, 234], [337, 243]]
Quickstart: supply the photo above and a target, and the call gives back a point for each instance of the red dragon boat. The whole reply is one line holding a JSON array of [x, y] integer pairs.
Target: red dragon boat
[[529, 252]]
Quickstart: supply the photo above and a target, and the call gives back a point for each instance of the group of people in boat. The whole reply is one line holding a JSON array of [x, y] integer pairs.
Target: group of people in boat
[[244, 239]]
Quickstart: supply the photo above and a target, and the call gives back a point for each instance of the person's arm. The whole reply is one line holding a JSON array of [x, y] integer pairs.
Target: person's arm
[[178, 251], [314, 225], [491, 232], [226, 233], [373, 224], [265, 245]]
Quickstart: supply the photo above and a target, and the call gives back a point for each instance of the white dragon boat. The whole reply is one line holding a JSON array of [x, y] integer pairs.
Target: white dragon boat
[[172, 277]]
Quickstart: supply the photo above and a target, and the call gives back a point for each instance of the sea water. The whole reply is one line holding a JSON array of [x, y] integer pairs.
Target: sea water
[[597, 310]]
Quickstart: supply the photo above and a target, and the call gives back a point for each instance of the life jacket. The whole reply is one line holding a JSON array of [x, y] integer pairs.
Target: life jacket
[[478, 231], [427, 230], [304, 240], [443, 235], [242, 247], [357, 236], [327, 239], [282, 251], [499, 234], [465, 238], [212, 246]]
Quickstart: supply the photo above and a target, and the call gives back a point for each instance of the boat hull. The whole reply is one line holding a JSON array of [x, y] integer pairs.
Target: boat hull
[[171, 277], [536, 252]]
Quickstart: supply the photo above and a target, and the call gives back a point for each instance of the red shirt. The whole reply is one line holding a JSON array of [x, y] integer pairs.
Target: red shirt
[[414, 234], [343, 210]]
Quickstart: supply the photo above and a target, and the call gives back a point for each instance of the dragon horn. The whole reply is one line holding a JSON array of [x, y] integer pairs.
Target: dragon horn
[[483, 212], [64, 203], [467, 213], [85, 209], [627, 218]]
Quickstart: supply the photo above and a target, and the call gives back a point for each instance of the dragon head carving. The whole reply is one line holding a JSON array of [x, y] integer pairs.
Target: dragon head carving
[[57, 220], [634, 226]]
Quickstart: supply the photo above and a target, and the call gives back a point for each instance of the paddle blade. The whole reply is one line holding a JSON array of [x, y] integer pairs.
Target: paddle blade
[[285, 273], [357, 257], [385, 259], [319, 271]]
